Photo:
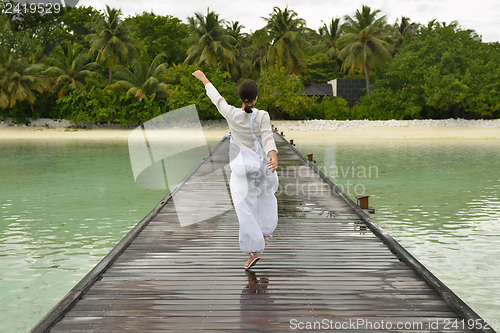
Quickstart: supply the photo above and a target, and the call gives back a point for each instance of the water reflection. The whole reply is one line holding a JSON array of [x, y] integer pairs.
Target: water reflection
[[253, 300]]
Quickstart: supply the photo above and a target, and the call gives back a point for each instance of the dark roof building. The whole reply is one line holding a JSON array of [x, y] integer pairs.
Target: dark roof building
[[320, 90], [349, 89]]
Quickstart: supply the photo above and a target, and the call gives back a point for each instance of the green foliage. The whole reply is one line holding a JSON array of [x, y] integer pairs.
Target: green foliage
[[380, 105], [438, 70], [7, 36], [19, 43], [19, 113], [281, 95], [162, 34], [385, 105], [77, 21], [103, 105], [23, 109], [483, 80], [446, 71], [333, 109], [187, 90], [35, 34], [321, 69]]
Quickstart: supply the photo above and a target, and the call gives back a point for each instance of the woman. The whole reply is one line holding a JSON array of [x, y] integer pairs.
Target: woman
[[252, 184]]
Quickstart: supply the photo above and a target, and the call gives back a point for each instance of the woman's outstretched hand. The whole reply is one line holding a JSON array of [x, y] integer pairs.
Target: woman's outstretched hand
[[201, 76], [272, 165]]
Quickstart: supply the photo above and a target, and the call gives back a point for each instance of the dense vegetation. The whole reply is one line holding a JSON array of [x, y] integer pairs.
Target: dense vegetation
[[86, 65]]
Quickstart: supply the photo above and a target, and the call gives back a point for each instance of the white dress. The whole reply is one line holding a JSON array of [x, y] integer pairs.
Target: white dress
[[253, 194]]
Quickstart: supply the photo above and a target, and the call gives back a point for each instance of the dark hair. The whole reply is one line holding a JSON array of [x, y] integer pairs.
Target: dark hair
[[248, 91]]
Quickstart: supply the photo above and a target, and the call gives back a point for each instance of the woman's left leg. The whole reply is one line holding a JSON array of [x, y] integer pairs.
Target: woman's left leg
[[244, 195]]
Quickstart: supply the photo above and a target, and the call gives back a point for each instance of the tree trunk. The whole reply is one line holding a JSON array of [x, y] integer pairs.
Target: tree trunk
[[110, 75], [367, 80], [457, 111]]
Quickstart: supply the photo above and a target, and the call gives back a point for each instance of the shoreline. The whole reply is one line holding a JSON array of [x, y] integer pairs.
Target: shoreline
[[298, 130], [397, 133]]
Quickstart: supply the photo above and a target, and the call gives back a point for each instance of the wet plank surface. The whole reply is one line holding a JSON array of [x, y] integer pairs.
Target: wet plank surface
[[323, 269]]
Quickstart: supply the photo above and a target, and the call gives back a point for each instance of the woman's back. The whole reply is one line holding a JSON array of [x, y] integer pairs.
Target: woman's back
[[239, 122]]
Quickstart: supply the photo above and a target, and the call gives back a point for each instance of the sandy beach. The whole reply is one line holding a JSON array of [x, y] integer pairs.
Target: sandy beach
[[350, 133], [363, 133]]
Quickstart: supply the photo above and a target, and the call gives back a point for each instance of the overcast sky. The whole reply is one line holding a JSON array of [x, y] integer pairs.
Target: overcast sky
[[479, 15]]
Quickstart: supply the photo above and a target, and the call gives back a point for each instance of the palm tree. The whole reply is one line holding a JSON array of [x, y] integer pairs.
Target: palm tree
[[113, 40], [242, 64], [258, 49], [285, 40], [365, 42], [145, 78], [211, 44], [328, 37], [70, 67], [403, 30], [18, 81], [7, 35], [435, 24]]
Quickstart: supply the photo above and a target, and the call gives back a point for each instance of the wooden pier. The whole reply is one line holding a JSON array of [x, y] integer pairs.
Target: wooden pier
[[328, 267]]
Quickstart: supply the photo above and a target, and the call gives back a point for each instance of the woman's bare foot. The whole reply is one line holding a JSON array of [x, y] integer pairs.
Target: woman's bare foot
[[266, 241], [252, 260]]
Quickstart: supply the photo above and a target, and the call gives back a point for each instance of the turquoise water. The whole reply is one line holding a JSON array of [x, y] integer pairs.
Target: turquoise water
[[64, 205]]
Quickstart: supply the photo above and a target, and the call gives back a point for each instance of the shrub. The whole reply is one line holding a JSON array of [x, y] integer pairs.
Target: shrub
[[98, 105], [385, 105], [187, 90], [333, 108], [281, 95]]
